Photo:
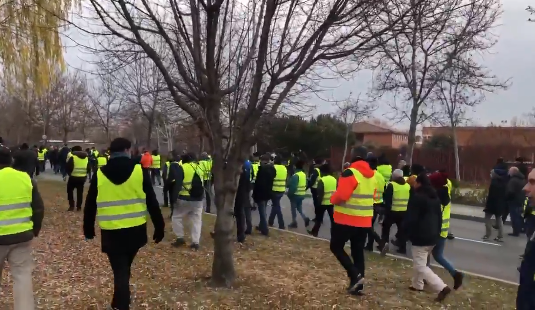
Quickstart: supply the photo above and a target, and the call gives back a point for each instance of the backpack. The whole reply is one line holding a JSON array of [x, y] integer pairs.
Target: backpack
[[197, 189]]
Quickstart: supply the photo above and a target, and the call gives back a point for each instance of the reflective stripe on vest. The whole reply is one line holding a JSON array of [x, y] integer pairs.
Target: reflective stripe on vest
[[279, 183], [41, 155], [69, 155], [380, 187], [400, 196], [315, 185], [102, 161], [155, 162], [15, 202], [329, 187], [361, 201], [121, 206], [301, 184], [80, 166]]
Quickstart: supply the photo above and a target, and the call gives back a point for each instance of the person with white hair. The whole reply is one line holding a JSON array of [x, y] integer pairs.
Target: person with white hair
[[395, 201]]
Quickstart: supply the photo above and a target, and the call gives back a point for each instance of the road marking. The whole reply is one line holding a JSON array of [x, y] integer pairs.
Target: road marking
[[477, 241]]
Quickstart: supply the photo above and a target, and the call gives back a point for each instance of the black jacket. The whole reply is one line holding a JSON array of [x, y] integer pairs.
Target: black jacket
[[514, 193], [495, 203], [423, 220], [118, 171], [242, 194], [264, 182], [70, 165], [175, 178], [314, 175], [26, 161], [62, 156]]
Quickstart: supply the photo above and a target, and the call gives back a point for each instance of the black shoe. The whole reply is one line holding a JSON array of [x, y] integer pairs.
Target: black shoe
[[457, 280], [514, 234], [384, 249], [178, 242], [358, 291], [248, 232], [313, 220], [498, 239], [307, 222], [310, 232], [451, 237], [292, 225], [194, 246], [354, 283], [443, 294]]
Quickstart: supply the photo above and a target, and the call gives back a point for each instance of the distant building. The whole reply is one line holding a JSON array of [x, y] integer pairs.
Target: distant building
[[486, 136], [378, 135]]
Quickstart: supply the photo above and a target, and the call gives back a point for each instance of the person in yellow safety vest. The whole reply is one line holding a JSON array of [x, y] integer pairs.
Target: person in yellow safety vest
[[165, 174], [41, 157], [187, 195], [395, 200], [353, 213], [314, 176], [296, 193], [102, 160], [378, 208], [326, 187], [21, 216], [77, 168], [255, 163], [205, 164], [449, 185], [277, 192], [119, 197], [439, 180], [155, 168]]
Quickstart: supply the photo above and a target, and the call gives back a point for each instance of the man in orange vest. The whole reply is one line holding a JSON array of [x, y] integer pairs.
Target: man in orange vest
[[353, 213]]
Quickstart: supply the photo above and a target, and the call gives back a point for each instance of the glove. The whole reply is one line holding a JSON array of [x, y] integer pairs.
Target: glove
[[158, 235]]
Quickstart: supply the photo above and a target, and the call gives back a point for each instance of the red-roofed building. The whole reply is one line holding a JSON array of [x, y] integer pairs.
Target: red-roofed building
[[379, 135]]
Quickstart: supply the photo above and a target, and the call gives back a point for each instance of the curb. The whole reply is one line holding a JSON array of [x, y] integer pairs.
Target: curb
[[472, 218]]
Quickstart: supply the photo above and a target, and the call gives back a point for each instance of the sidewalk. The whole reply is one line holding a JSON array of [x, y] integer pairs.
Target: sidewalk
[[470, 213]]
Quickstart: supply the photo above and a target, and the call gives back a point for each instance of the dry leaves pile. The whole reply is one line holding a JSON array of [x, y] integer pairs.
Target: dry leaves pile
[[281, 272]]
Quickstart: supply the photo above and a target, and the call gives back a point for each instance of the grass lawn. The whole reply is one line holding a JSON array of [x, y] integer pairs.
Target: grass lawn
[[284, 271]]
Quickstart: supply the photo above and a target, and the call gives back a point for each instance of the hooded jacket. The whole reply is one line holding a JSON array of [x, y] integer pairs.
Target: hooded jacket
[[423, 221], [385, 171], [347, 183], [439, 181], [70, 163], [514, 194], [389, 192], [118, 170], [264, 182], [495, 203]]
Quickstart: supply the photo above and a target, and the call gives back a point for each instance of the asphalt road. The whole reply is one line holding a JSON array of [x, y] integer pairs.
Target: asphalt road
[[466, 252]]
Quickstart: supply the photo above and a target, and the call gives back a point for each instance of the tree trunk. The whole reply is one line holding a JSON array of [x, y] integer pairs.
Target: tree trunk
[[65, 135], [225, 185], [345, 147], [201, 142], [456, 151], [412, 134], [149, 135]]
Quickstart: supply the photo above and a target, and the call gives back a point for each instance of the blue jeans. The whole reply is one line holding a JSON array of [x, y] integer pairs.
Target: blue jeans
[[516, 219], [438, 255], [276, 210], [263, 225], [296, 204]]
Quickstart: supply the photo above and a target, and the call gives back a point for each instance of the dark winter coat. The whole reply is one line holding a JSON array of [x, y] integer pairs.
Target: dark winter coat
[[242, 194], [423, 220], [264, 182], [118, 170], [514, 193], [496, 198], [62, 156], [26, 161]]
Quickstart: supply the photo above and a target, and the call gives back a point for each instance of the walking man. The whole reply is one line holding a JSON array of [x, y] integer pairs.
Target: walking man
[[353, 213], [326, 188], [21, 215], [77, 169], [120, 196]]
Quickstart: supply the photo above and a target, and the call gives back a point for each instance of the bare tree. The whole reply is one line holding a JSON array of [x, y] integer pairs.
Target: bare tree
[[463, 86], [531, 11], [351, 111], [412, 64], [70, 92], [233, 61], [107, 102]]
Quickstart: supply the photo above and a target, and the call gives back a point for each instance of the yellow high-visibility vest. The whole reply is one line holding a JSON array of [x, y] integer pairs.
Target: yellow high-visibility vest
[[400, 196], [155, 162], [80, 166], [189, 172], [315, 185], [15, 202], [380, 187], [121, 206], [206, 167], [255, 166], [102, 161], [69, 155], [329, 187], [41, 155], [279, 183], [361, 201], [301, 184]]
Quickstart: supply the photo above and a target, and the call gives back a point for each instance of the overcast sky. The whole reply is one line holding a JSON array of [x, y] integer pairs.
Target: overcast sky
[[511, 58]]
